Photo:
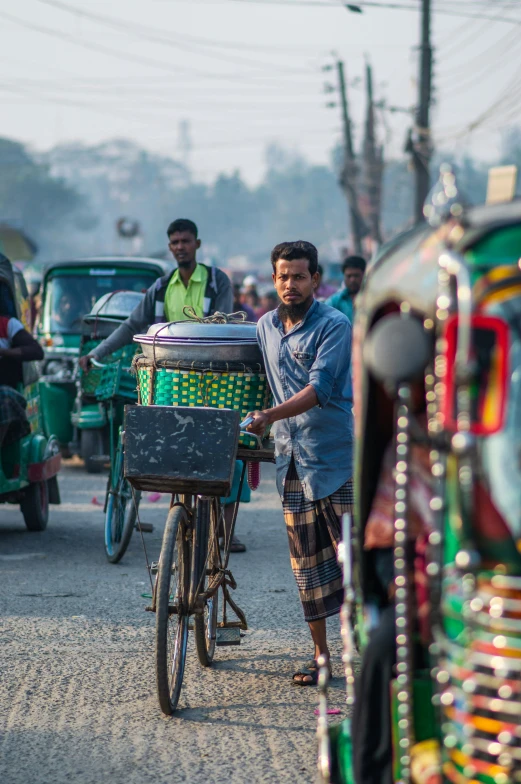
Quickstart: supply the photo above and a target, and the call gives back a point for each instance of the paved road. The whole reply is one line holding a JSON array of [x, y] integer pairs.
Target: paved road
[[77, 690]]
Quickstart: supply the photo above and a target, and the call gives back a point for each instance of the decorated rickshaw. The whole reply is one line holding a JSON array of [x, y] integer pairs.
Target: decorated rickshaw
[[437, 370], [29, 459]]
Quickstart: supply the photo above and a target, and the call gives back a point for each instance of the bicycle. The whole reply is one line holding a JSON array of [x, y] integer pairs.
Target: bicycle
[[116, 386], [191, 571]]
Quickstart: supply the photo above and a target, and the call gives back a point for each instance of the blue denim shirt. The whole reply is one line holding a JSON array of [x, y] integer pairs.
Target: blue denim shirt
[[317, 351]]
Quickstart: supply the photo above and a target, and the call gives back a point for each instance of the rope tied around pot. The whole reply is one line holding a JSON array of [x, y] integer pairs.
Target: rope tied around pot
[[217, 318]]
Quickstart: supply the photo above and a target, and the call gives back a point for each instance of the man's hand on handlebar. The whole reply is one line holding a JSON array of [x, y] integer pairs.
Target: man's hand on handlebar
[[261, 420], [84, 362]]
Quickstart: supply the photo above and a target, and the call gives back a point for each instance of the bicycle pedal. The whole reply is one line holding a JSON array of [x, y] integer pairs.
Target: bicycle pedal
[[154, 566], [228, 636], [146, 528]]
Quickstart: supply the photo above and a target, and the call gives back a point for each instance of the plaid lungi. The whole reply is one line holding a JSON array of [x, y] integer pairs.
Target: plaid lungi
[[314, 531], [13, 420]]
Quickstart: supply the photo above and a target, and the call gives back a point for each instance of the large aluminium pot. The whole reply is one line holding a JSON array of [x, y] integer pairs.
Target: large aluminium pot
[[193, 342]]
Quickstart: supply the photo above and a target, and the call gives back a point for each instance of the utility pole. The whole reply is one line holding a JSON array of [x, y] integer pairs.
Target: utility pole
[[373, 164], [350, 170], [421, 149]]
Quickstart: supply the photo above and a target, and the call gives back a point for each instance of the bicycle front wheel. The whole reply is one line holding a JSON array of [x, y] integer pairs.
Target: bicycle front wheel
[[206, 562], [172, 595], [121, 511]]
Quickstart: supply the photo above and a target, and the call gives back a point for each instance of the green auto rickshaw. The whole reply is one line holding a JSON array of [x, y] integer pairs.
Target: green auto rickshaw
[[69, 291], [29, 459], [102, 389], [435, 548]]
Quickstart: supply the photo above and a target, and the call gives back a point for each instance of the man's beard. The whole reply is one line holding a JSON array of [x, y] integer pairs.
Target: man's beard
[[296, 311], [184, 264]]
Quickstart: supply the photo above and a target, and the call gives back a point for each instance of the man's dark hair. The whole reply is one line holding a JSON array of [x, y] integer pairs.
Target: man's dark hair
[[182, 224], [320, 269], [300, 249], [354, 262]]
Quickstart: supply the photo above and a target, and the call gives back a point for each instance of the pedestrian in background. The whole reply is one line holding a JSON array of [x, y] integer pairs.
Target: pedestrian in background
[[239, 305], [268, 301], [323, 290], [353, 269], [306, 347]]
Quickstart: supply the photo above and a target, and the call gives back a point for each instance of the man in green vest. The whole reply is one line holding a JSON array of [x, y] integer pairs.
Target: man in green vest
[[205, 289]]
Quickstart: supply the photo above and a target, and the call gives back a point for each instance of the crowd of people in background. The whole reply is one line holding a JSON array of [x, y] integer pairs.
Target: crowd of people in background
[[255, 298]]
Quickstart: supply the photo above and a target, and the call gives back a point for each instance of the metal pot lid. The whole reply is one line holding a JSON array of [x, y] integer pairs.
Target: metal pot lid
[[166, 340], [148, 340], [194, 330]]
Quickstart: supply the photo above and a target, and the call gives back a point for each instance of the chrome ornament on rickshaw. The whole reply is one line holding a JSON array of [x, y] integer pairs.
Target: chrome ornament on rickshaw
[[439, 319]]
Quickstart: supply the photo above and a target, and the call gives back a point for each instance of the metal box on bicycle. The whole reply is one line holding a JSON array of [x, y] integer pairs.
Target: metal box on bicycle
[[176, 449]]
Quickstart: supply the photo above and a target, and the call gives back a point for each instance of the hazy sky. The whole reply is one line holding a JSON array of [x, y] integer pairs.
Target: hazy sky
[[247, 72]]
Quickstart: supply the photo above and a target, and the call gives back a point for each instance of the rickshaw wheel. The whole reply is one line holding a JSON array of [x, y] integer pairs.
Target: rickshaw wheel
[[172, 602], [35, 506], [121, 512], [92, 447], [120, 519], [205, 625]]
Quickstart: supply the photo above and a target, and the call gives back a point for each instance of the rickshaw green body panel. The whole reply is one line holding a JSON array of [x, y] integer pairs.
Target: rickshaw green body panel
[[406, 271], [342, 752], [91, 415], [29, 459], [55, 399], [496, 249], [87, 279]]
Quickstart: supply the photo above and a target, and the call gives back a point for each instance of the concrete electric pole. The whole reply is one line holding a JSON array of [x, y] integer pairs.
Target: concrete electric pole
[[373, 164], [349, 174], [421, 147]]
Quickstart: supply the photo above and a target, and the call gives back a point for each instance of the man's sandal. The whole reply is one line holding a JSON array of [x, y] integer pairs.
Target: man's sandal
[[310, 671]]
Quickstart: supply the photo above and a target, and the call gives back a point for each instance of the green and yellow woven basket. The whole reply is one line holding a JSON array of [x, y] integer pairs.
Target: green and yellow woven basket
[[113, 380], [242, 391]]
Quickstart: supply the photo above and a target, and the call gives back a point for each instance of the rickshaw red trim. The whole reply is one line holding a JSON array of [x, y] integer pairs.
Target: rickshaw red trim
[[40, 472]]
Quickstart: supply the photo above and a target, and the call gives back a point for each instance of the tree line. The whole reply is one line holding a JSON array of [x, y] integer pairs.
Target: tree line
[[69, 199]]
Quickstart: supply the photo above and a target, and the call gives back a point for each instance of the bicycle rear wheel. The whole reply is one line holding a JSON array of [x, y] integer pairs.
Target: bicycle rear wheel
[[120, 514], [172, 589], [206, 562]]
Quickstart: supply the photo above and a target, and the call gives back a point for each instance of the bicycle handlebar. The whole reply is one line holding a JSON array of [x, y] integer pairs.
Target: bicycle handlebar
[[95, 363]]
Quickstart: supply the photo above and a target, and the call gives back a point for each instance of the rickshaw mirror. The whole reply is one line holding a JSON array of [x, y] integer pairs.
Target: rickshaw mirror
[[397, 349], [475, 396]]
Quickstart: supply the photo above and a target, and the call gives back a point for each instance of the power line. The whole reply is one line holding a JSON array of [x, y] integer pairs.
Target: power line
[[132, 58], [63, 101], [143, 102], [154, 91], [512, 36], [509, 99], [156, 36], [209, 43], [457, 46], [449, 11]]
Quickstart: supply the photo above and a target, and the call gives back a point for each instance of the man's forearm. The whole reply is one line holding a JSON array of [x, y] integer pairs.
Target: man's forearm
[[298, 404], [122, 336]]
